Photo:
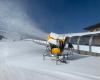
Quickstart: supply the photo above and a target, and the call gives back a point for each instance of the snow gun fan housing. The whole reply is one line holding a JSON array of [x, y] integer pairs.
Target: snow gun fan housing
[[57, 43]]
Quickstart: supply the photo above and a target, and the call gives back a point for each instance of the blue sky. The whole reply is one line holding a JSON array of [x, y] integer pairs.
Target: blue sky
[[62, 16]]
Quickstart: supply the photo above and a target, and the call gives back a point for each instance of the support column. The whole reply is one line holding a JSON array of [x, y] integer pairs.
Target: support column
[[78, 40], [90, 43]]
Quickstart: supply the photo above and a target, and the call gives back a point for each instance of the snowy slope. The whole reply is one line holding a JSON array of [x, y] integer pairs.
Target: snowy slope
[[22, 60]]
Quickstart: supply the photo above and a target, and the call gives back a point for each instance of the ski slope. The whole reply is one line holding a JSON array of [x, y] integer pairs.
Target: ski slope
[[22, 60]]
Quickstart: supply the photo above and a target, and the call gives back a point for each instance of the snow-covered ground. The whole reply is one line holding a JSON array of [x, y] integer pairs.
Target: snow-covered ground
[[22, 60]]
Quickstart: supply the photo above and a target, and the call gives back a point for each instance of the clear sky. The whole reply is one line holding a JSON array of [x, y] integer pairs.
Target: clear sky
[[62, 16]]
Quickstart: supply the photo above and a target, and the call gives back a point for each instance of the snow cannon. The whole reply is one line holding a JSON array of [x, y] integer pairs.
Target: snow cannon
[[56, 42], [56, 46]]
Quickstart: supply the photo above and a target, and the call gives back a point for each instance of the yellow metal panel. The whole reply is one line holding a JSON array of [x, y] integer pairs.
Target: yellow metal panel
[[49, 37], [56, 51]]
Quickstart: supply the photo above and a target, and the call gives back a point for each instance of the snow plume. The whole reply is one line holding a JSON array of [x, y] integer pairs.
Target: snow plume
[[16, 22]]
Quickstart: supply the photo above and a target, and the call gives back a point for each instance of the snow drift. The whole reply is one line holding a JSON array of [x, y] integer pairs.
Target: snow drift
[[22, 60]]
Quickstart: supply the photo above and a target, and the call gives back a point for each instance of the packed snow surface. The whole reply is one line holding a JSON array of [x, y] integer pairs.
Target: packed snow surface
[[23, 60]]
